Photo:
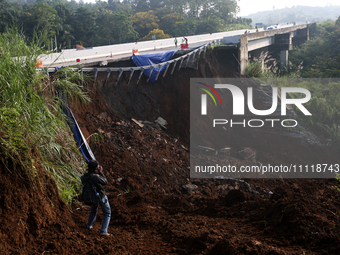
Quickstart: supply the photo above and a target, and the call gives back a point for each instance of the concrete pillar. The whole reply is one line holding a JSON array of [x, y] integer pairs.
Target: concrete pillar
[[307, 32], [243, 54], [284, 57], [291, 35]]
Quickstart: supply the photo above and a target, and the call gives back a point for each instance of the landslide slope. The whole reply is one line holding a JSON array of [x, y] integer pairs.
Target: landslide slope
[[153, 201], [156, 207]]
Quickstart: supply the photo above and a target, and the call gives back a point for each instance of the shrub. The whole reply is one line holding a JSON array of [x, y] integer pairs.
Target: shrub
[[33, 130]]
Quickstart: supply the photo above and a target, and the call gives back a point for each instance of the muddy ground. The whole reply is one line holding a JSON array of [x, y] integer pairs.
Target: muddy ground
[[156, 207]]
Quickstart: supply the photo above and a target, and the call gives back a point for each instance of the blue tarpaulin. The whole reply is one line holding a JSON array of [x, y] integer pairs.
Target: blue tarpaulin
[[84, 146], [72, 123], [153, 59]]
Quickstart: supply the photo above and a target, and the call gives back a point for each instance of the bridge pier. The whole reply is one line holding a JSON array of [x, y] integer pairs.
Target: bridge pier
[[284, 57], [243, 54], [279, 41]]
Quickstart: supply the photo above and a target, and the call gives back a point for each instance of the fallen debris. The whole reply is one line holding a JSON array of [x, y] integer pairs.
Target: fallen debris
[[161, 121], [185, 148], [189, 187], [139, 123]]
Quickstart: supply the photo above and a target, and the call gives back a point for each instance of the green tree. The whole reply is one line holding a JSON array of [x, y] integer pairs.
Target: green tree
[[118, 29], [63, 11], [85, 26], [158, 33], [176, 6], [122, 28], [195, 7], [155, 4], [138, 5], [188, 27], [10, 13], [214, 24], [144, 22], [31, 1], [65, 37], [226, 9], [101, 23], [320, 56], [169, 22], [42, 18], [104, 35], [161, 12], [116, 5]]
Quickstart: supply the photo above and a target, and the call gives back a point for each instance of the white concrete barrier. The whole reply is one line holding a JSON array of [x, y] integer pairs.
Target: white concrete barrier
[[118, 49], [193, 56]]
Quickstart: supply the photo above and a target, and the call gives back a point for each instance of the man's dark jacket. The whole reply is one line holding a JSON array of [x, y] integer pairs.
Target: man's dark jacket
[[97, 179]]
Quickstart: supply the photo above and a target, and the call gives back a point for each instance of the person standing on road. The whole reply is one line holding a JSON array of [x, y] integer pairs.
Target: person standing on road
[[176, 41], [95, 175], [186, 40]]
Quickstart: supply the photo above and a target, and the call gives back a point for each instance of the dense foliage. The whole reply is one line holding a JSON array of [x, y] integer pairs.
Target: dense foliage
[[33, 132], [102, 23], [318, 60], [320, 56]]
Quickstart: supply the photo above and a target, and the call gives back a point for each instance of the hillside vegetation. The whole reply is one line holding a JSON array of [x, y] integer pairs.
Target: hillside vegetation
[[320, 56], [33, 131], [312, 64], [110, 22]]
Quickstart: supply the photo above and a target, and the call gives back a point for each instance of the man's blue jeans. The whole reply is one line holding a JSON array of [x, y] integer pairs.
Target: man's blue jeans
[[104, 203]]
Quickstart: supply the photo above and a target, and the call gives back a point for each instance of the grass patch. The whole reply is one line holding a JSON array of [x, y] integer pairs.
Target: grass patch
[[32, 126], [261, 67], [254, 70]]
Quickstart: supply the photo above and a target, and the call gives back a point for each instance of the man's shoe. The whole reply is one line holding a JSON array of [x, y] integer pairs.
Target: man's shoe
[[107, 234]]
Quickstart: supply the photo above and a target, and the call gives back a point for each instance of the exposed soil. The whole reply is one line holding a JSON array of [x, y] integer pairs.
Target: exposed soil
[[156, 207]]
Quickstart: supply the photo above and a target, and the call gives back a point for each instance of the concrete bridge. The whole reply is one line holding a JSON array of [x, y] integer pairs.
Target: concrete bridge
[[279, 40], [248, 44]]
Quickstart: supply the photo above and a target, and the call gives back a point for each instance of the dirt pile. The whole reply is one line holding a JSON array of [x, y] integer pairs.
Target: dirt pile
[[156, 207], [34, 219]]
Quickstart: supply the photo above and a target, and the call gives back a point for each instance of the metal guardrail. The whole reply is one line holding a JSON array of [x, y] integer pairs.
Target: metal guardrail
[[109, 70]]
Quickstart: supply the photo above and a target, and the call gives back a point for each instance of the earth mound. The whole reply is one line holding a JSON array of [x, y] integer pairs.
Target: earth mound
[[156, 207]]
